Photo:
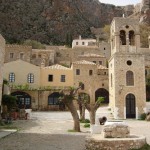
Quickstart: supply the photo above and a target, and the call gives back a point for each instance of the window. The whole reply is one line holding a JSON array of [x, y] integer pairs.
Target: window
[[77, 71], [50, 78], [100, 62], [129, 78], [30, 78], [83, 43], [104, 48], [11, 55], [63, 78], [90, 72], [27, 101], [11, 77], [77, 43], [53, 99], [129, 62], [21, 55], [94, 62]]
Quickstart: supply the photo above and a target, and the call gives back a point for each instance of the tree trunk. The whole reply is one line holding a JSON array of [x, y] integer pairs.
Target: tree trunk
[[92, 116], [80, 110], [75, 116], [83, 113]]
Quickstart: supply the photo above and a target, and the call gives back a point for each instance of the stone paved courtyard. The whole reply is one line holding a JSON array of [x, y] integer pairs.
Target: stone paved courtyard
[[49, 131]]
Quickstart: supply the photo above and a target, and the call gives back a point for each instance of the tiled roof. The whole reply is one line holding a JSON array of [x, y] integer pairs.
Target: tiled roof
[[57, 66], [84, 62], [101, 67], [91, 55]]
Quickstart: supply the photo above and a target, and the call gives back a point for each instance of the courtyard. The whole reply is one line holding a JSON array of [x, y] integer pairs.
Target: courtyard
[[49, 131]]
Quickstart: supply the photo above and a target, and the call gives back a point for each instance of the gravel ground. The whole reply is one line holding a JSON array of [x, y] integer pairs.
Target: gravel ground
[[46, 132]]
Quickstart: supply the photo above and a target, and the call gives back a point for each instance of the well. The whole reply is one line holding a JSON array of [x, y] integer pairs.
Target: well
[[115, 136]]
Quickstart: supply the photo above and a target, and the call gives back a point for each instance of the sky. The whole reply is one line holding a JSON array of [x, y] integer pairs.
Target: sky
[[121, 2]]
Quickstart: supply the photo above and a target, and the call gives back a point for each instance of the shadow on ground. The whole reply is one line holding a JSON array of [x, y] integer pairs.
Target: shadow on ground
[[30, 141]]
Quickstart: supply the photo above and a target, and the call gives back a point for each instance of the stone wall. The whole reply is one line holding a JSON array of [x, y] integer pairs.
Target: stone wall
[[14, 52]]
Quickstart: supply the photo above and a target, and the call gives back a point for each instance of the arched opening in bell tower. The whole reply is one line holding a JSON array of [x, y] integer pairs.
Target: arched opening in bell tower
[[131, 38], [122, 37]]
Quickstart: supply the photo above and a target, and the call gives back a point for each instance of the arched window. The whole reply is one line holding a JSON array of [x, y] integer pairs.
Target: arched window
[[53, 99], [129, 78], [122, 37], [30, 78], [131, 38], [11, 77]]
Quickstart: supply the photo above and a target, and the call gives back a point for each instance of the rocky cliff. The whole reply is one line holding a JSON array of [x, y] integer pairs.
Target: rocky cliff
[[52, 21]]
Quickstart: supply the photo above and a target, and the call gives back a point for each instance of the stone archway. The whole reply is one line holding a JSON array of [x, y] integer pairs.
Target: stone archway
[[101, 92], [23, 99], [130, 106]]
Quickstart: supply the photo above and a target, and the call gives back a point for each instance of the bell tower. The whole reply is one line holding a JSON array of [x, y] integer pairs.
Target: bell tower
[[126, 70]]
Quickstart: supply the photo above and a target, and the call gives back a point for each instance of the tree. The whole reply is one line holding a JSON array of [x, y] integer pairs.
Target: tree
[[83, 98], [69, 39], [34, 44], [92, 108], [67, 99], [106, 31], [9, 101], [5, 82]]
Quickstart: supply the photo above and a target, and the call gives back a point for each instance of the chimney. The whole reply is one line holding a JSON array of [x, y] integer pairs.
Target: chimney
[[80, 37]]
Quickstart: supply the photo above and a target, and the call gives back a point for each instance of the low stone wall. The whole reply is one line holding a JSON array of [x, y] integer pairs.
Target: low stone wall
[[97, 142]]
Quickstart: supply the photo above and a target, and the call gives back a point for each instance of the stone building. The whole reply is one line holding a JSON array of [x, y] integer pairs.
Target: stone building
[[42, 56], [83, 42], [15, 52], [97, 59], [2, 53], [93, 77], [126, 70], [38, 87]]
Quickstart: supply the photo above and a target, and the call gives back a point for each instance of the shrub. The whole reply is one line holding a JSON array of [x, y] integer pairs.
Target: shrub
[[143, 116], [85, 121], [34, 44], [86, 125]]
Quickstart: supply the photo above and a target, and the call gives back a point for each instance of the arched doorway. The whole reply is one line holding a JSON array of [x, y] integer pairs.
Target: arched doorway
[[130, 106], [23, 99], [101, 92], [53, 99]]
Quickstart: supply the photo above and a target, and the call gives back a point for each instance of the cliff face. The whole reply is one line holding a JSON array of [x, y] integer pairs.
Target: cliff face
[[145, 12], [51, 21]]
